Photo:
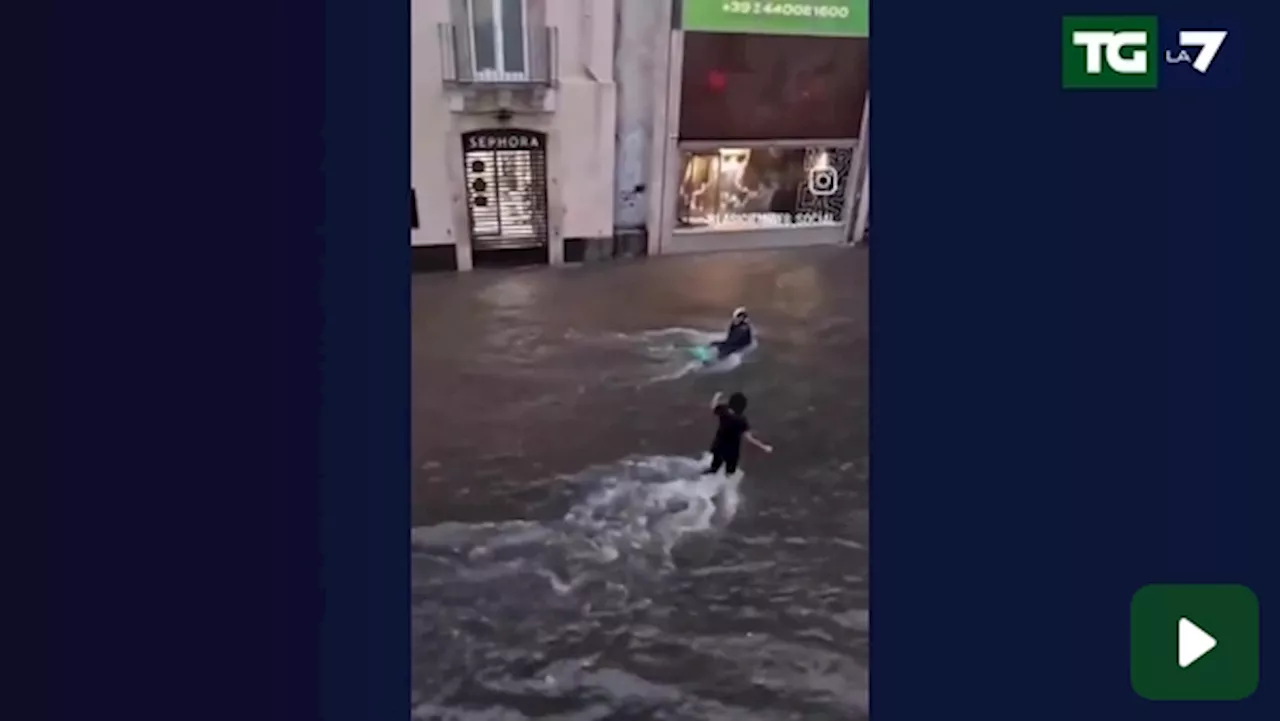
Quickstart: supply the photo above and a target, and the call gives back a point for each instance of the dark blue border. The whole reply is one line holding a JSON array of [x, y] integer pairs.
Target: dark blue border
[[229, 380], [364, 451], [1074, 375], [1073, 363]]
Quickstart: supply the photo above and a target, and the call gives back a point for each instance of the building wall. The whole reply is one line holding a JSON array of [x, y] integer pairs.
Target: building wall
[[641, 39], [580, 127], [429, 125]]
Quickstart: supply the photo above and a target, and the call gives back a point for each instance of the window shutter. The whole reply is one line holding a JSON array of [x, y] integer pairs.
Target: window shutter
[[462, 38], [538, 38]]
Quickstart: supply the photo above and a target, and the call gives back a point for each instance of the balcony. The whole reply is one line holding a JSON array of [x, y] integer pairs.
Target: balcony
[[537, 69]]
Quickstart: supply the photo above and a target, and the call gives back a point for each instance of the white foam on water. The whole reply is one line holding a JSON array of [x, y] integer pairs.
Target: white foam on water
[[633, 510], [481, 590], [724, 365], [671, 348], [662, 354], [631, 514]]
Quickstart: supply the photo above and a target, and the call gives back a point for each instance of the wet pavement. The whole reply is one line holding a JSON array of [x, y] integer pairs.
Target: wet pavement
[[569, 560]]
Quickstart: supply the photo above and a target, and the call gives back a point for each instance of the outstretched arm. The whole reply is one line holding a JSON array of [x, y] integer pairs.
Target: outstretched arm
[[715, 399], [757, 442]]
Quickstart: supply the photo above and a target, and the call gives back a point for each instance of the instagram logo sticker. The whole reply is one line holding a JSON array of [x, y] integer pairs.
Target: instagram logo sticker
[[823, 180]]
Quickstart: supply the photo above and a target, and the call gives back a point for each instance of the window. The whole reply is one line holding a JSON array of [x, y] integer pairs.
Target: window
[[748, 87], [742, 188], [498, 36]]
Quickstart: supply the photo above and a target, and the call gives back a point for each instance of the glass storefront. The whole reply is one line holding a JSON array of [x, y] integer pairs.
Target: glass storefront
[[766, 127], [747, 88], [739, 188]]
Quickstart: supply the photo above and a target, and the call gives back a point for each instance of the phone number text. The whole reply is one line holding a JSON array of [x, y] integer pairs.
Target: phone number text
[[741, 7]]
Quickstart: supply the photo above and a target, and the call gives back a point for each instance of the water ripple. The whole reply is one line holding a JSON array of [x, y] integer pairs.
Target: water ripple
[[570, 562]]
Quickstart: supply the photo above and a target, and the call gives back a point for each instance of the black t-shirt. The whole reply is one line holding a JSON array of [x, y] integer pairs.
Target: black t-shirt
[[728, 440]]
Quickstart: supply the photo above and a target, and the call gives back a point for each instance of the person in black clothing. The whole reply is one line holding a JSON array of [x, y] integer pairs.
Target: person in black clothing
[[738, 337], [726, 448]]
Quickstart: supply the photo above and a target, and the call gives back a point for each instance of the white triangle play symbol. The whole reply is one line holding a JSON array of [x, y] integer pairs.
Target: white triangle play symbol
[[1193, 643]]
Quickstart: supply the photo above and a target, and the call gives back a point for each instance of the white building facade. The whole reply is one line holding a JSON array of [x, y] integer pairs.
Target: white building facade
[[554, 131], [513, 123]]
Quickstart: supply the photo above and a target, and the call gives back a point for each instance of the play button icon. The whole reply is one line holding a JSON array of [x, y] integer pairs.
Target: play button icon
[[1193, 643]]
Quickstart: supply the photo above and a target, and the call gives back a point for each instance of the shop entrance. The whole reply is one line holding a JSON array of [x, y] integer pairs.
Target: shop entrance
[[767, 130], [506, 176]]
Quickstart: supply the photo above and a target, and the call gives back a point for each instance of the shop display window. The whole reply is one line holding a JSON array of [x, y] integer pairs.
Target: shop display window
[[739, 188]]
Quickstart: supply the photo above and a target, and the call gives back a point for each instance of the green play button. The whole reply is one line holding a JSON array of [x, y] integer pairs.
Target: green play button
[[1190, 642]]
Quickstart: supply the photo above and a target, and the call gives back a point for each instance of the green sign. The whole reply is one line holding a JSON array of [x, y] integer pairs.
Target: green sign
[[843, 18], [1193, 642], [1109, 51]]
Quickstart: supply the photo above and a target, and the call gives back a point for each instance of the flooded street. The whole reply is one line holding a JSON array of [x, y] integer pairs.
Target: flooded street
[[569, 559]]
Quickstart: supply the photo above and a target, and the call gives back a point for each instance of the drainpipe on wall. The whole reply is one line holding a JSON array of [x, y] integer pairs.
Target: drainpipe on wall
[[863, 209], [666, 112], [861, 171]]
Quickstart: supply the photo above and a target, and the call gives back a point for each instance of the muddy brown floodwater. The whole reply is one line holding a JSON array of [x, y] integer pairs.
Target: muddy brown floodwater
[[569, 560]]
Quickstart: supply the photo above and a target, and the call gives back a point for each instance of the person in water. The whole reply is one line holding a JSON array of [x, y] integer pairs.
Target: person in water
[[726, 448], [739, 336]]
